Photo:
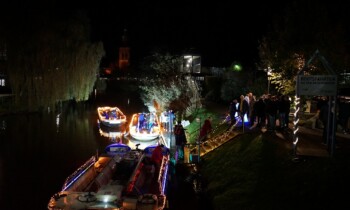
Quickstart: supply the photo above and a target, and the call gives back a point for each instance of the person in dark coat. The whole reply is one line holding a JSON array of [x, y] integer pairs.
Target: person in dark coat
[[180, 139], [205, 130], [141, 122], [259, 108], [271, 110], [284, 109]]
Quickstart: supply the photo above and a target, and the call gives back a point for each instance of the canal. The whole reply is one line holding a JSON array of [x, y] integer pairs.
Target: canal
[[38, 151]]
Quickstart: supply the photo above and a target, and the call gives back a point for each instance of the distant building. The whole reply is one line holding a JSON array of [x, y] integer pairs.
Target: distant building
[[191, 64], [124, 53]]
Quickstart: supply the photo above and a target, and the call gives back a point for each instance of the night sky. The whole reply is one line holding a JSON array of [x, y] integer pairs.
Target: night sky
[[220, 31]]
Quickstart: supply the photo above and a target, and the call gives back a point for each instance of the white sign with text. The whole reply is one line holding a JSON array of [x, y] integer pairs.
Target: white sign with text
[[314, 85]]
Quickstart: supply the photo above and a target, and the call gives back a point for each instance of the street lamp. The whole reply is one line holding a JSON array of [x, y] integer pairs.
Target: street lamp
[[199, 141]]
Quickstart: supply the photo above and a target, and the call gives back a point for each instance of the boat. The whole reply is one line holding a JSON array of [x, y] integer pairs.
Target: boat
[[113, 133], [144, 126], [110, 116], [115, 180], [146, 188]]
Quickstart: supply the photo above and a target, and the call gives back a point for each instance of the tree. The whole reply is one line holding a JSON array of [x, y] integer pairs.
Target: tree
[[236, 83], [51, 59], [168, 87], [305, 28]]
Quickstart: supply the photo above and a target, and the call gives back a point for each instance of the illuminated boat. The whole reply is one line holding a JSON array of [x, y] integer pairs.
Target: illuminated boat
[[121, 178], [144, 126], [98, 181], [111, 116], [146, 187]]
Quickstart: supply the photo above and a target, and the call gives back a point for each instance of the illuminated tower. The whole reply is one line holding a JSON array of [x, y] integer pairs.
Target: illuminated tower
[[124, 53]]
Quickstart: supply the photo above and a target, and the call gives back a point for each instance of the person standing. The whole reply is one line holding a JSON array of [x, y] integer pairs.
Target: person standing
[[141, 120], [252, 112], [180, 140], [171, 116], [164, 119], [283, 110], [271, 109], [205, 130], [243, 108], [259, 109], [233, 109]]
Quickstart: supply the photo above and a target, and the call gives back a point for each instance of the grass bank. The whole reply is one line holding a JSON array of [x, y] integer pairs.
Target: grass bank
[[256, 171]]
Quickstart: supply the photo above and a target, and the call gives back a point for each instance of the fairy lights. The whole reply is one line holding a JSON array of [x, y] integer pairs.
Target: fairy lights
[[296, 123]]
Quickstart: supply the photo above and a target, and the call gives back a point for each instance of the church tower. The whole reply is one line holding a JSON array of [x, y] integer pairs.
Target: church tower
[[124, 53]]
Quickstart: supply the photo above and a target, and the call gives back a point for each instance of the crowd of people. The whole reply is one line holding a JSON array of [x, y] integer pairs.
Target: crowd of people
[[272, 112], [265, 111]]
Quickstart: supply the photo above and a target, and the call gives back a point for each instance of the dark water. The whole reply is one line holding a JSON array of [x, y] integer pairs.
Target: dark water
[[37, 155], [38, 151]]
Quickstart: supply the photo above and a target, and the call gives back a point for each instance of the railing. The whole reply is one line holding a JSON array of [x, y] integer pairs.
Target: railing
[[78, 173]]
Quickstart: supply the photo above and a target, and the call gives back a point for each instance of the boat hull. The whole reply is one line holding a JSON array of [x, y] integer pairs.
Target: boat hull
[[143, 136], [112, 132]]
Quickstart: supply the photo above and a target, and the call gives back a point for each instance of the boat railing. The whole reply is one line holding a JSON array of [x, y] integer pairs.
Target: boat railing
[[78, 173], [162, 176], [134, 176]]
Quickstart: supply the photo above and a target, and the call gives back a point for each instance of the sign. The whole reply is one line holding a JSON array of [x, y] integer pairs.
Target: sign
[[313, 85]]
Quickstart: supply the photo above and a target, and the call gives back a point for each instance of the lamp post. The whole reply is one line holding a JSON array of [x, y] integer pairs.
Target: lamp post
[[199, 141]]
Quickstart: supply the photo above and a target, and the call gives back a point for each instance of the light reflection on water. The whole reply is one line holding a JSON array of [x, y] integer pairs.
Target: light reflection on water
[[35, 158], [38, 152]]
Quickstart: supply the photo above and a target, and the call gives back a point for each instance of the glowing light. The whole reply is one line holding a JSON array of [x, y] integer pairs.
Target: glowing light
[[237, 67], [296, 141], [164, 178], [245, 118], [296, 112], [296, 122], [78, 173], [295, 131]]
